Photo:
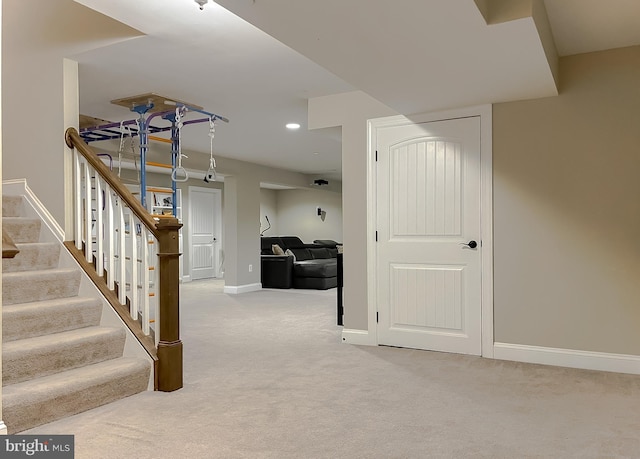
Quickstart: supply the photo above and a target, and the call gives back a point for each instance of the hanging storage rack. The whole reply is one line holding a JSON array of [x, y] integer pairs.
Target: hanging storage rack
[[150, 106]]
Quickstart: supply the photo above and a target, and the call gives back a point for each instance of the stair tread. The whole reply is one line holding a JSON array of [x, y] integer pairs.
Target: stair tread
[[43, 284], [37, 318], [40, 272], [43, 355], [17, 219], [36, 244], [82, 377], [28, 345], [72, 301], [39, 401]]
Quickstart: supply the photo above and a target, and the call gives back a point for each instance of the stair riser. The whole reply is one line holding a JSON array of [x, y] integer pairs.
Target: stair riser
[[20, 364], [34, 256], [39, 285], [22, 229], [20, 322], [12, 206], [22, 411]]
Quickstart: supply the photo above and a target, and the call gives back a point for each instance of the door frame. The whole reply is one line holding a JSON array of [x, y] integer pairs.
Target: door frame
[[484, 112], [217, 193]]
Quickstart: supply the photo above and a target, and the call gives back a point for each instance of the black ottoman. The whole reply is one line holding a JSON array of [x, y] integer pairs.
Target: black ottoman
[[319, 274]]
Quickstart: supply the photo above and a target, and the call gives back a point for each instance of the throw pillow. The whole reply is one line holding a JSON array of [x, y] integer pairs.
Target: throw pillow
[[291, 254], [277, 250]]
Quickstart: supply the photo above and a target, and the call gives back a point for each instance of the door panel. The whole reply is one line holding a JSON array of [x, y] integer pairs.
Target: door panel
[[426, 296], [428, 206]]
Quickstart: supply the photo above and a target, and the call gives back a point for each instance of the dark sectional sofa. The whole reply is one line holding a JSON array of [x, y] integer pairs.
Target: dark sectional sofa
[[310, 266]]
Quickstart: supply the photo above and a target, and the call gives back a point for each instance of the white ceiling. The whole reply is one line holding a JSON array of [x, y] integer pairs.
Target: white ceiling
[[413, 55]]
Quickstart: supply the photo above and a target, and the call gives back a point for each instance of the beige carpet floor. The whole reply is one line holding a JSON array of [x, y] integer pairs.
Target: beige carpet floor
[[266, 376]]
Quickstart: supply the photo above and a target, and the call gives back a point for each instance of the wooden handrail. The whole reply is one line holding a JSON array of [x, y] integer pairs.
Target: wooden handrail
[[168, 376], [74, 140], [9, 249]]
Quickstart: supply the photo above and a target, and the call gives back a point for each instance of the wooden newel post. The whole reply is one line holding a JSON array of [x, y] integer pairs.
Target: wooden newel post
[[169, 345]]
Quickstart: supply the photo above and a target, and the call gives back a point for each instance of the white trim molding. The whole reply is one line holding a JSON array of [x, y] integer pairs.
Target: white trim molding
[[586, 360], [236, 289], [3, 428], [361, 337], [20, 187]]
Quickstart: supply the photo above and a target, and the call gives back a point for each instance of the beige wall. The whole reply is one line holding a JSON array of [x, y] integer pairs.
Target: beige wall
[[269, 207], [567, 210], [297, 215], [34, 87]]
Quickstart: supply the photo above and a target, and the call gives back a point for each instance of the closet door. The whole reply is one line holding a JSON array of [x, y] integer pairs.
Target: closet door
[[203, 227]]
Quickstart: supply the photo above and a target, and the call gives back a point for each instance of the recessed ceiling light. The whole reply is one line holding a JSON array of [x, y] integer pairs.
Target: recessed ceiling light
[[292, 126]]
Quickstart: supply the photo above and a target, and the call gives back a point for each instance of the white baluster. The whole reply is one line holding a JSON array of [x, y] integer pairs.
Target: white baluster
[[99, 228], [144, 267], [111, 249], [88, 238], [77, 179], [133, 260], [122, 253]]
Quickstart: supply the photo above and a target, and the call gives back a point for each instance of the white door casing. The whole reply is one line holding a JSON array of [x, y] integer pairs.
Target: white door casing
[[204, 230], [429, 194]]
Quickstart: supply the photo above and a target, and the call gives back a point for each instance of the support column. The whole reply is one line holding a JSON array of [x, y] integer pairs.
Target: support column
[[241, 234]]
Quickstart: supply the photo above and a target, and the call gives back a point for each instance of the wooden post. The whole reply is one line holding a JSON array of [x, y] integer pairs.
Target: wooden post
[[169, 345]]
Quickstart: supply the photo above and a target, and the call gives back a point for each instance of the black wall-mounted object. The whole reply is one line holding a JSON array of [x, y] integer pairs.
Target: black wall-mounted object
[[321, 182]]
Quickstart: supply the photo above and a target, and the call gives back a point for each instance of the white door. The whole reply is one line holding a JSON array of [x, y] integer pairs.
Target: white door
[[204, 216], [428, 224]]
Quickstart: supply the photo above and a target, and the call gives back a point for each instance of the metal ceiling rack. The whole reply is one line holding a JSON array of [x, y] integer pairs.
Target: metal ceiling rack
[[148, 107]]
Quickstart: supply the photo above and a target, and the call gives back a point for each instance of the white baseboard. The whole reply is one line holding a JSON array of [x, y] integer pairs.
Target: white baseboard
[[586, 360], [3, 428], [185, 279], [235, 289], [361, 337]]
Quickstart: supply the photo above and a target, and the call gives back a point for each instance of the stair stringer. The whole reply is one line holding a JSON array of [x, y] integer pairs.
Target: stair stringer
[[51, 231]]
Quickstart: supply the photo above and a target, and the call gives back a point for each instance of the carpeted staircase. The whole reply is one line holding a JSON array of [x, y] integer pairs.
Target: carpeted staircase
[[57, 360]]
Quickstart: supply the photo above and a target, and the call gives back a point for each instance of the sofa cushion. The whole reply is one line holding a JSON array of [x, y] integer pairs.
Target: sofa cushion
[[291, 242], [301, 254], [320, 252], [316, 268], [325, 242]]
